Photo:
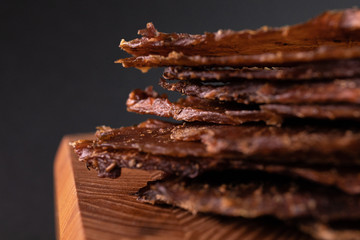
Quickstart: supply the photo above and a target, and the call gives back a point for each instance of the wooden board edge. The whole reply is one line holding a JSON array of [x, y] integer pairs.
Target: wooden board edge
[[67, 212]]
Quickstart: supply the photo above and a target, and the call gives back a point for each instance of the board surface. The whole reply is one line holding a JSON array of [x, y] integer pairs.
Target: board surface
[[89, 207]]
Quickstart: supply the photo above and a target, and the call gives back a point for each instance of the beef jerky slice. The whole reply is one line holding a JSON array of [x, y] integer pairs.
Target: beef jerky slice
[[304, 144], [337, 91], [339, 28], [193, 109], [331, 112], [148, 146], [151, 137], [109, 163], [323, 53], [250, 194], [348, 68], [336, 230]]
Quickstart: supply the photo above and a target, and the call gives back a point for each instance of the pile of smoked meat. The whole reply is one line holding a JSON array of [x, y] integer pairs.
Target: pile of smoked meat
[[269, 124]]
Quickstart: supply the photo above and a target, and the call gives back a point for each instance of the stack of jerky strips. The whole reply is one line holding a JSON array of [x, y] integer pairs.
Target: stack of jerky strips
[[270, 123]]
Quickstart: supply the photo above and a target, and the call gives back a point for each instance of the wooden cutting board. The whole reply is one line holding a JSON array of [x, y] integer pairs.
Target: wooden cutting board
[[88, 207]]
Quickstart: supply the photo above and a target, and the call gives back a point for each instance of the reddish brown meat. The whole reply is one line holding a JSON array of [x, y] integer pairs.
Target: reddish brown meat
[[301, 144], [109, 162], [308, 71], [271, 59], [332, 28], [310, 144], [331, 112], [252, 194], [324, 92], [193, 109], [336, 230], [154, 140]]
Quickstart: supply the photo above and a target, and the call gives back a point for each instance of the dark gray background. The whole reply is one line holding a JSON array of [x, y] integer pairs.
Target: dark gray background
[[58, 77]]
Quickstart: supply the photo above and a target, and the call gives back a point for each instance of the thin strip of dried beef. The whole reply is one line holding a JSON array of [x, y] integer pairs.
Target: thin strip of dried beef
[[332, 28], [304, 144], [335, 230], [253, 194], [324, 92], [108, 163], [315, 111], [271, 59], [193, 109], [347, 68]]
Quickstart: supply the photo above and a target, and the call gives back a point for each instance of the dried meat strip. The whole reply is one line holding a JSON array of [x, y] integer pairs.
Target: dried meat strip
[[193, 109], [304, 144], [109, 163], [346, 179], [272, 59], [339, 28], [177, 149], [324, 92], [154, 139], [348, 68], [331, 112], [252, 195], [301, 144], [335, 230]]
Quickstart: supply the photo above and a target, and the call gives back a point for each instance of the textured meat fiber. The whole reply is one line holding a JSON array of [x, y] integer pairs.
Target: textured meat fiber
[[259, 92], [347, 68], [252, 194], [332, 28]]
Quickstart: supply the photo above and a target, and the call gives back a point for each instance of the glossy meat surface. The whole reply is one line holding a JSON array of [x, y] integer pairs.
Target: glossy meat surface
[[332, 28], [323, 92], [252, 194]]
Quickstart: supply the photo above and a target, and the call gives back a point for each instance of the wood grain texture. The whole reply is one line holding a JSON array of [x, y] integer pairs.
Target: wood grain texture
[[88, 207]]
